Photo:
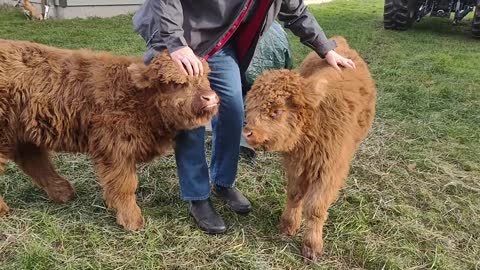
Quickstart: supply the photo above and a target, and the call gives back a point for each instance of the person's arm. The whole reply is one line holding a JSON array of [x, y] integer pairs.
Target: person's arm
[[168, 15], [303, 24]]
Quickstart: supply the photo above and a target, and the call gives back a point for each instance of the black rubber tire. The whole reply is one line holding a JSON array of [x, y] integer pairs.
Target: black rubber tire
[[476, 21], [399, 14]]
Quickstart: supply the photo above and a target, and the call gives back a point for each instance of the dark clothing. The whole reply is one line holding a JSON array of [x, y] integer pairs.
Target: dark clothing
[[201, 24]]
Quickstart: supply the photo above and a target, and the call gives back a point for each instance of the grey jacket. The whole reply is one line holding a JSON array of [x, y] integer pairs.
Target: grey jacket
[[200, 24]]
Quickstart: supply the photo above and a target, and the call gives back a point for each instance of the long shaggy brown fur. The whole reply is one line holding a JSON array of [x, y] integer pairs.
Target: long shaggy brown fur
[[316, 118], [114, 108]]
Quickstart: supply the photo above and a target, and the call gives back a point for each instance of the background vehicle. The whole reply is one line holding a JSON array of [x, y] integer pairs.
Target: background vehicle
[[401, 14]]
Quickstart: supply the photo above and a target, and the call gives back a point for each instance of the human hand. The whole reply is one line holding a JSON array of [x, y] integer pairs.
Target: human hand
[[187, 61], [335, 59]]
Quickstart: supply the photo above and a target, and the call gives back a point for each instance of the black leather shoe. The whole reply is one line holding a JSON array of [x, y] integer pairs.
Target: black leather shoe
[[206, 217], [233, 198]]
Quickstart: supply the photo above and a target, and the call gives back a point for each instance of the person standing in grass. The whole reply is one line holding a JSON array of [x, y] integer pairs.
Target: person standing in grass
[[224, 33]]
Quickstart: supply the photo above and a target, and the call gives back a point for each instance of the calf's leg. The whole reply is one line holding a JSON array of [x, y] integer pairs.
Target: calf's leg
[[292, 215], [321, 194], [35, 162], [119, 182], [3, 206]]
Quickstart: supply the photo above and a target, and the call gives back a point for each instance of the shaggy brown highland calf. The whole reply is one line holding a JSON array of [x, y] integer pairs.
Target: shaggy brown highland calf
[[316, 119], [114, 108]]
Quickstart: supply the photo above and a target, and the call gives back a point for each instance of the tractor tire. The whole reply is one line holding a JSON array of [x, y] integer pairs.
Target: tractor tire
[[476, 21], [399, 14]]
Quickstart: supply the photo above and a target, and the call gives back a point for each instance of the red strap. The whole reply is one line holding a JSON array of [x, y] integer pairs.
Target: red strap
[[230, 32], [247, 34]]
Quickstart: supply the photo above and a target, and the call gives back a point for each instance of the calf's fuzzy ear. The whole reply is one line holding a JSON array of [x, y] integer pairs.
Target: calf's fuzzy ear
[[311, 93], [317, 92], [139, 76]]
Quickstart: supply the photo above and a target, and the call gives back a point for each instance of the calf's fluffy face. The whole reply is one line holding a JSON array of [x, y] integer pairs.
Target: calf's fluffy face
[[277, 107], [184, 102]]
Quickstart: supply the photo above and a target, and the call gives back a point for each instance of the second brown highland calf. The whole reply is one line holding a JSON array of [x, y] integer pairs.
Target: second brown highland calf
[[316, 119], [114, 108]]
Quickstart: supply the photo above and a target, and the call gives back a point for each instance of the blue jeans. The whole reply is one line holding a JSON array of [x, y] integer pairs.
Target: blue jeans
[[190, 156]]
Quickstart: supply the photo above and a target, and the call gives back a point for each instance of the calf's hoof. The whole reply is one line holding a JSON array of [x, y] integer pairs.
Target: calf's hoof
[[288, 227], [131, 220], [61, 192], [311, 254]]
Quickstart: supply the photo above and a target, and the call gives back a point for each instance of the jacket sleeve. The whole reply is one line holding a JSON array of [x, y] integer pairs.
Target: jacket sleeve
[[168, 15], [303, 24]]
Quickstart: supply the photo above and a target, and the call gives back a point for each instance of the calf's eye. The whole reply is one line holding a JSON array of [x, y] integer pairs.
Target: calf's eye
[[276, 113]]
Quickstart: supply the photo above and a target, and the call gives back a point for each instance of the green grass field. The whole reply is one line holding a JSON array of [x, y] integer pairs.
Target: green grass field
[[412, 200]]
